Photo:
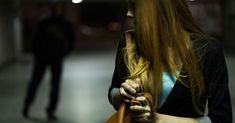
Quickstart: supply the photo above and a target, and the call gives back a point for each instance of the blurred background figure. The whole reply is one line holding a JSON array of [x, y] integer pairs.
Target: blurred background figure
[[52, 41], [88, 69]]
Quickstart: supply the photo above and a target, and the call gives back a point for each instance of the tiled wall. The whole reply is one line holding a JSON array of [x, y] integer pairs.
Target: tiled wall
[[6, 33]]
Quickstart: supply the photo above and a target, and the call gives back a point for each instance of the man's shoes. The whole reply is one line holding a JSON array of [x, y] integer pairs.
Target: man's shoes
[[51, 117], [25, 112]]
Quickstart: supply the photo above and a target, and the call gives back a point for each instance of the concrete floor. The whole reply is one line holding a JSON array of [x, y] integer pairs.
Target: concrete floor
[[83, 97], [85, 85]]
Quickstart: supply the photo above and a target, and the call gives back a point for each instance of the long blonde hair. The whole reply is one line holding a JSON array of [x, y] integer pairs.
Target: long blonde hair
[[163, 38]]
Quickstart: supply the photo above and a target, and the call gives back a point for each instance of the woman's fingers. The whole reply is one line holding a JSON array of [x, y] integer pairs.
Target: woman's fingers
[[141, 113], [143, 117], [129, 89], [140, 109], [124, 95], [126, 86], [132, 86], [138, 85], [144, 107], [143, 100], [134, 83], [138, 115]]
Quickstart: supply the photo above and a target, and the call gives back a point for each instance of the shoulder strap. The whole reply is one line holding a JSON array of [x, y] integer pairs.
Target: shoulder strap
[[128, 37]]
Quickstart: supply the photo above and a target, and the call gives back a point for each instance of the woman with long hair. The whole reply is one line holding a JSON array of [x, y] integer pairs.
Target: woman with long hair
[[173, 60]]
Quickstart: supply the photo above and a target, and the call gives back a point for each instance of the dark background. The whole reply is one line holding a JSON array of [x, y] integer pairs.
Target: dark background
[[88, 69]]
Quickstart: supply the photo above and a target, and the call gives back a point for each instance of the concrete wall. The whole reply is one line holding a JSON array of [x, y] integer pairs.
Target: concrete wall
[[7, 44]]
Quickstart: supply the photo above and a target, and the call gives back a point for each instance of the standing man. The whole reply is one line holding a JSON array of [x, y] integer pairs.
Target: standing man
[[52, 41]]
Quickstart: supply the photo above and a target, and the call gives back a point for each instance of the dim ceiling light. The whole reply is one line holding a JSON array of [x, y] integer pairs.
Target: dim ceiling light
[[77, 1]]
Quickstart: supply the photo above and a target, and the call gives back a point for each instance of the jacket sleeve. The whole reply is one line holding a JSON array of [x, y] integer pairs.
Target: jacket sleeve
[[70, 35], [120, 71], [219, 103]]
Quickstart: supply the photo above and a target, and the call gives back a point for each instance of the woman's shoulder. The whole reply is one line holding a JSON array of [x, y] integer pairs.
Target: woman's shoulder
[[214, 46], [207, 51], [208, 46]]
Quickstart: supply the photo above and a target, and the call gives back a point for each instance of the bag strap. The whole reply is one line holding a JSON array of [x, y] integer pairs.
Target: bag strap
[[128, 37], [121, 113], [122, 107]]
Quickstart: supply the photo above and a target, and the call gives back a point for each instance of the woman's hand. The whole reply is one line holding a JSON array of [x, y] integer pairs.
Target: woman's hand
[[141, 109], [128, 90], [162, 118]]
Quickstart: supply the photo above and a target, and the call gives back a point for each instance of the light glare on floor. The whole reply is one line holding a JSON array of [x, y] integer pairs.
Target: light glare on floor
[[77, 1]]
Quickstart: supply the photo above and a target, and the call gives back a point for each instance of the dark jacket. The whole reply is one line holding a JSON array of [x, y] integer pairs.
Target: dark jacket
[[179, 102], [53, 38]]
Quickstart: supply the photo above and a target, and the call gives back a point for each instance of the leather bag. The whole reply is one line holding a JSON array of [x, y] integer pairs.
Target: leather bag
[[121, 116]]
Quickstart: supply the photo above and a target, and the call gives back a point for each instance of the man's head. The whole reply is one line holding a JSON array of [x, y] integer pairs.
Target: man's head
[[58, 9]]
